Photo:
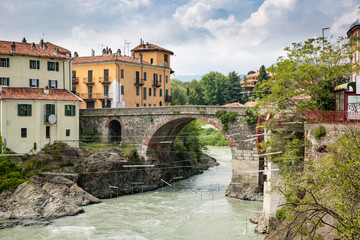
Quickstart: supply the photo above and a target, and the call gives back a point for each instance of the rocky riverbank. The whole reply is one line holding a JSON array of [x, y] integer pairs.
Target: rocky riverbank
[[80, 178]]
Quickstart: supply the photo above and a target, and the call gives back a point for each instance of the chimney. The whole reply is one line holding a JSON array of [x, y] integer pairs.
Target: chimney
[[76, 54], [140, 58], [104, 51], [13, 47], [110, 51], [46, 90], [33, 46], [41, 44], [92, 52], [45, 46], [23, 40], [118, 52]]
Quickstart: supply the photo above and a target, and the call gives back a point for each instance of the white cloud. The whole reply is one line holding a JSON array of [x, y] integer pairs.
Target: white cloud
[[341, 24]]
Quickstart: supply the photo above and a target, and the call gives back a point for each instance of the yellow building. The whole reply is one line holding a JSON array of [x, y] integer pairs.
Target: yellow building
[[36, 105], [112, 80]]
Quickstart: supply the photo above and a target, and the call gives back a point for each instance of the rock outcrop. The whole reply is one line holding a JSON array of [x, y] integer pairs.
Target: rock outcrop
[[43, 199]]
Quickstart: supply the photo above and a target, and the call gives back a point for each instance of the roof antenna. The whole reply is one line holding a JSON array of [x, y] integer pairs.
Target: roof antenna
[[43, 36]]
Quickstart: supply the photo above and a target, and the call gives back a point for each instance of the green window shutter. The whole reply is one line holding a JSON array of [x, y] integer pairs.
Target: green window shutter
[[57, 66], [56, 86], [49, 84], [7, 81], [52, 108], [48, 66], [19, 109], [7, 62], [66, 110], [29, 109], [30, 82], [38, 64], [37, 83], [30, 64], [73, 111]]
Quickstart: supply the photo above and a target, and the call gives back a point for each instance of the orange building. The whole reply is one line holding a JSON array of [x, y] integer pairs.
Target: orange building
[[249, 82], [115, 81], [354, 32]]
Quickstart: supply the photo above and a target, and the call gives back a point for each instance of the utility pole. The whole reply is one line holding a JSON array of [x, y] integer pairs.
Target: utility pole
[[323, 36]]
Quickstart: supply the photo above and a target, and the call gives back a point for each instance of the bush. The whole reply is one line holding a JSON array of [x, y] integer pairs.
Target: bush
[[251, 115], [318, 132], [89, 135]]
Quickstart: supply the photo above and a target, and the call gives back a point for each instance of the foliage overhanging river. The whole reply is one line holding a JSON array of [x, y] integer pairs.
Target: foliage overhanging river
[[195, 208]]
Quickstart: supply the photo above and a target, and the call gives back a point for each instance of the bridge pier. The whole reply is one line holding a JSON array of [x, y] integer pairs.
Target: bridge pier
[[152, 131]]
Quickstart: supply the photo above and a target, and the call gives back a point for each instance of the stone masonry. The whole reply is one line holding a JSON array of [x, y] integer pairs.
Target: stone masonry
[[152, 131]]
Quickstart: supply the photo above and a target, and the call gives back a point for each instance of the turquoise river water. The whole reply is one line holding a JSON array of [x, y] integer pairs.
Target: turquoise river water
[[195, 208]]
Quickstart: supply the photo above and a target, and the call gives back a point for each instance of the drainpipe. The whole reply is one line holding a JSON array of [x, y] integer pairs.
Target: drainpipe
[[64, 74], [70, 76], [118, 78]]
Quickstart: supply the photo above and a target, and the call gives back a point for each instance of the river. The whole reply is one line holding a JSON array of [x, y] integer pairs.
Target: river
[[195, 208]]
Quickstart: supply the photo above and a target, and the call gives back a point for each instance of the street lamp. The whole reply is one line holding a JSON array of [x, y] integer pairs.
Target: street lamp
[[323, 37]]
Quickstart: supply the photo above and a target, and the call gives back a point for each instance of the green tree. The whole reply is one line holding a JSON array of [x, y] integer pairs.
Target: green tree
[[306, 77], [213, 85], [178, 92], [232, 91], [196, 93]]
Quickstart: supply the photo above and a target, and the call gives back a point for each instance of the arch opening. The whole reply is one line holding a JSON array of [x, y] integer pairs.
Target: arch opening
[[114, 131]]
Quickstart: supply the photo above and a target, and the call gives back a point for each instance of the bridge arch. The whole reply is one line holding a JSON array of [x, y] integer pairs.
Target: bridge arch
[[158, 143], [114, 126]]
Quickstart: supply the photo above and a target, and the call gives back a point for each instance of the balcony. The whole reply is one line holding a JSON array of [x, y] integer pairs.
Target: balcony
[[168, 98], [88, 81], [139, 82], [156, 83], [103, 96], [75, 80], [332, 117], [104, 81], [87, 96]]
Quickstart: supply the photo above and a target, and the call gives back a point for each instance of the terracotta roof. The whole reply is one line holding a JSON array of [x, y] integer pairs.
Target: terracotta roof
[[150, 47], [234, 104], [31, 49], [38, 94], [107, 58], [250, 103]]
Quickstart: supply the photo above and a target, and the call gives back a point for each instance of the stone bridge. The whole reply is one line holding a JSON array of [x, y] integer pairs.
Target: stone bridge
[[152, 131]]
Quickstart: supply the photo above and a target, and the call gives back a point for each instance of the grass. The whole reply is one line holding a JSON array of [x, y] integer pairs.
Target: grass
[[212, 137], [97, 146]]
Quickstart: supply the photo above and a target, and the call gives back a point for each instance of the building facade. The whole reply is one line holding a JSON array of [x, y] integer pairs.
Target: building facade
[[37, 107], [249, 82], [112, 80], [354, 32]]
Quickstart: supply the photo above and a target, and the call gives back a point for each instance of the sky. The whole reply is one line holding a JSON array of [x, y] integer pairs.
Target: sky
[[205, 35]]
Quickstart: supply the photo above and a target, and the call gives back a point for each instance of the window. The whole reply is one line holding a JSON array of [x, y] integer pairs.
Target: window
[[49, 109], [166, 79], [90, 75], [34, 82], [69, 110], [74, 90], [4, 62], [4, 81], [160, 92], [122, 90], [137, 105], [106, 75], [160, 103], [53, 66], [53, 84], [160, 78], [151, 61], [137, 76], [24, 109], [90, 91], [106, 104], [144, 104], [137, 91], [90, 105], [24, 133], [34, 64], [149, 92], [74, 75], [144, 93], [47, 131], [154, 105], [68, 132], [154, 92], [106, 91], [144, 76], [166, 92], [122, 73]]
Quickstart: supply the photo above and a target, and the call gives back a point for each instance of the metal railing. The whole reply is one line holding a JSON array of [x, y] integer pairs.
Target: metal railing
[[88, 80], [95, 95], [139, 82], [332, 117]]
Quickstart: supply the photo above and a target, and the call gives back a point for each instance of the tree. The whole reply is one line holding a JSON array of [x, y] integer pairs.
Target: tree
[[213, 85], [306, 77], [178, 92], [196, 93], [232, 91], [262, 74]]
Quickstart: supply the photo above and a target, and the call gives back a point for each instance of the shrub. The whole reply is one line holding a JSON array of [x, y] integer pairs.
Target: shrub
[[89, 135], [318, 132]]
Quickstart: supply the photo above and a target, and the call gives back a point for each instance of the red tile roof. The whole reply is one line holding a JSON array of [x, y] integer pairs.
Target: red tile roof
[[234, 104], [38, 94], [30, 49], [107, 58], [250, 103], [150, 47]]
